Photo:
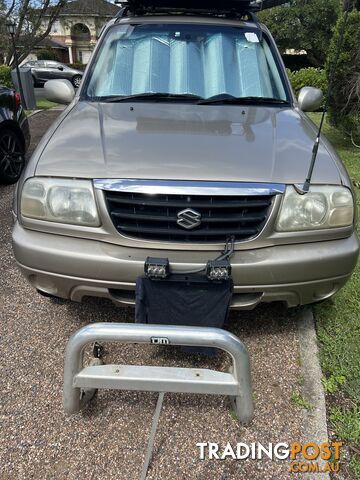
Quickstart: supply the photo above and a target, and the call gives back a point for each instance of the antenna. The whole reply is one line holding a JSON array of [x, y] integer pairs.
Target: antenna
[[315, 150]]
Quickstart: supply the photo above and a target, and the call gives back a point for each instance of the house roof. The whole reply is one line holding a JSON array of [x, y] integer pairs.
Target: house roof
[[100, 8], [50, 43]]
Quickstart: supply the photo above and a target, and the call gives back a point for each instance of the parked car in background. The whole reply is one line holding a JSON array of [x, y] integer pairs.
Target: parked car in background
[[44, 70], [14, 136]]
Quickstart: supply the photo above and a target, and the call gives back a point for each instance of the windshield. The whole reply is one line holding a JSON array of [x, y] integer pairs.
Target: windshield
[[202, 61]]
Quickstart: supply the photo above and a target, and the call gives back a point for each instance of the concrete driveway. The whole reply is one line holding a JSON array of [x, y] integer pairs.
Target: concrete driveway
[[109, 439], [39, 92]]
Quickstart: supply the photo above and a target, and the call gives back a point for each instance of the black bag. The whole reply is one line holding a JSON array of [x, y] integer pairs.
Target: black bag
[[192, 302]]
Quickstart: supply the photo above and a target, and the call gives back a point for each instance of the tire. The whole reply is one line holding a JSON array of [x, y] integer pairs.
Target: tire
[[76, 81], [12, 156]]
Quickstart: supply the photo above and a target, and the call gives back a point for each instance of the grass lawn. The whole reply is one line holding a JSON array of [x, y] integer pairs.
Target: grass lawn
[[338, 329], [44, 104]]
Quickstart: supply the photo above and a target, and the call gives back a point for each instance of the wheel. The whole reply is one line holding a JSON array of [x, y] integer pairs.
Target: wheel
[[12, 157], [76, 81]]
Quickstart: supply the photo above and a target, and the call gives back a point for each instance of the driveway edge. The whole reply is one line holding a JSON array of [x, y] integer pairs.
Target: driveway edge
[[34, 112], [315, 421]]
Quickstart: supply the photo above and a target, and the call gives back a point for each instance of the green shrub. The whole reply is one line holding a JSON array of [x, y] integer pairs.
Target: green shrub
[[344, 108], [77, 66], [47, 54], [308, 77], [5, 76]]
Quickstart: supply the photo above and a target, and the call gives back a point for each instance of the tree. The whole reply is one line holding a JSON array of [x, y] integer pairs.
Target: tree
[[304, 25], [344, 108], [33, 19]]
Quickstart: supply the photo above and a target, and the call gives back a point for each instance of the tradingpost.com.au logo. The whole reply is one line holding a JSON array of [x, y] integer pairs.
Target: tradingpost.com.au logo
[[309, 457]]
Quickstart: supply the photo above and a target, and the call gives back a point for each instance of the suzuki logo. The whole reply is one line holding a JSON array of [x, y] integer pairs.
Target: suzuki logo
[[189, 219]]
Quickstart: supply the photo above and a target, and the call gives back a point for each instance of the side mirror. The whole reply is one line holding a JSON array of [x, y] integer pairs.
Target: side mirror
[[59, 91], [310, 99], [60, 68]]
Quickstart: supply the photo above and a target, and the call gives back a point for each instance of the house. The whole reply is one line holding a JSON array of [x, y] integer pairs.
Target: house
[[76, 30]]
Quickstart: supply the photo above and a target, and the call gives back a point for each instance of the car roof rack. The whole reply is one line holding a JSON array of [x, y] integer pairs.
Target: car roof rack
[[223, 8]]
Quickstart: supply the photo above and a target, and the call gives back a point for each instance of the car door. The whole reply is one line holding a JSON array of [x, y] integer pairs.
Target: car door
[[55, 70]]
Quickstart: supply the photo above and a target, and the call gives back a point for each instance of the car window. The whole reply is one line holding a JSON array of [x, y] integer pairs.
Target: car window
[[203, 60], [40, 64], [52, 64]]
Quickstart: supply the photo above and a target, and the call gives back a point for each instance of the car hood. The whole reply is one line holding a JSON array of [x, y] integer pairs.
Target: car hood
[[185, 142]]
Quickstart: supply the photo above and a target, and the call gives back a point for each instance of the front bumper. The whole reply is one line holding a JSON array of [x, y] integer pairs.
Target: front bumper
[[74, 268]]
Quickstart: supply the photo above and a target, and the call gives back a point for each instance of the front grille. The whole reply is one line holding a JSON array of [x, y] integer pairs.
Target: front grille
[[154, 217]]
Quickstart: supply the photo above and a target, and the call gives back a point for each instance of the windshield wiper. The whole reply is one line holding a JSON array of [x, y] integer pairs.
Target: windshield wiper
[[149, 96], [230, 99]]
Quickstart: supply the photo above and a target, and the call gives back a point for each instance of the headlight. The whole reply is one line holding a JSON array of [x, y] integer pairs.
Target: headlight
[[60, 200], [322, 207]]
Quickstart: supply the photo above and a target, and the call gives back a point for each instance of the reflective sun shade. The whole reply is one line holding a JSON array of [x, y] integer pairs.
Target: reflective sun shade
[[202, 60]]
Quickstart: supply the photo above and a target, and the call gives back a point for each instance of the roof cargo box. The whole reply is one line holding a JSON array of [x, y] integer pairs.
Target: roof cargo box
[[237, 6]]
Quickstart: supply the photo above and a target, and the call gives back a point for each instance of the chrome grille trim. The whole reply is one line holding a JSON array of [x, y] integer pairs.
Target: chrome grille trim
[[185, 187]]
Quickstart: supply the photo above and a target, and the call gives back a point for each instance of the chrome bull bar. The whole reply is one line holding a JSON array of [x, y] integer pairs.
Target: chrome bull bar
[[80, 383]]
